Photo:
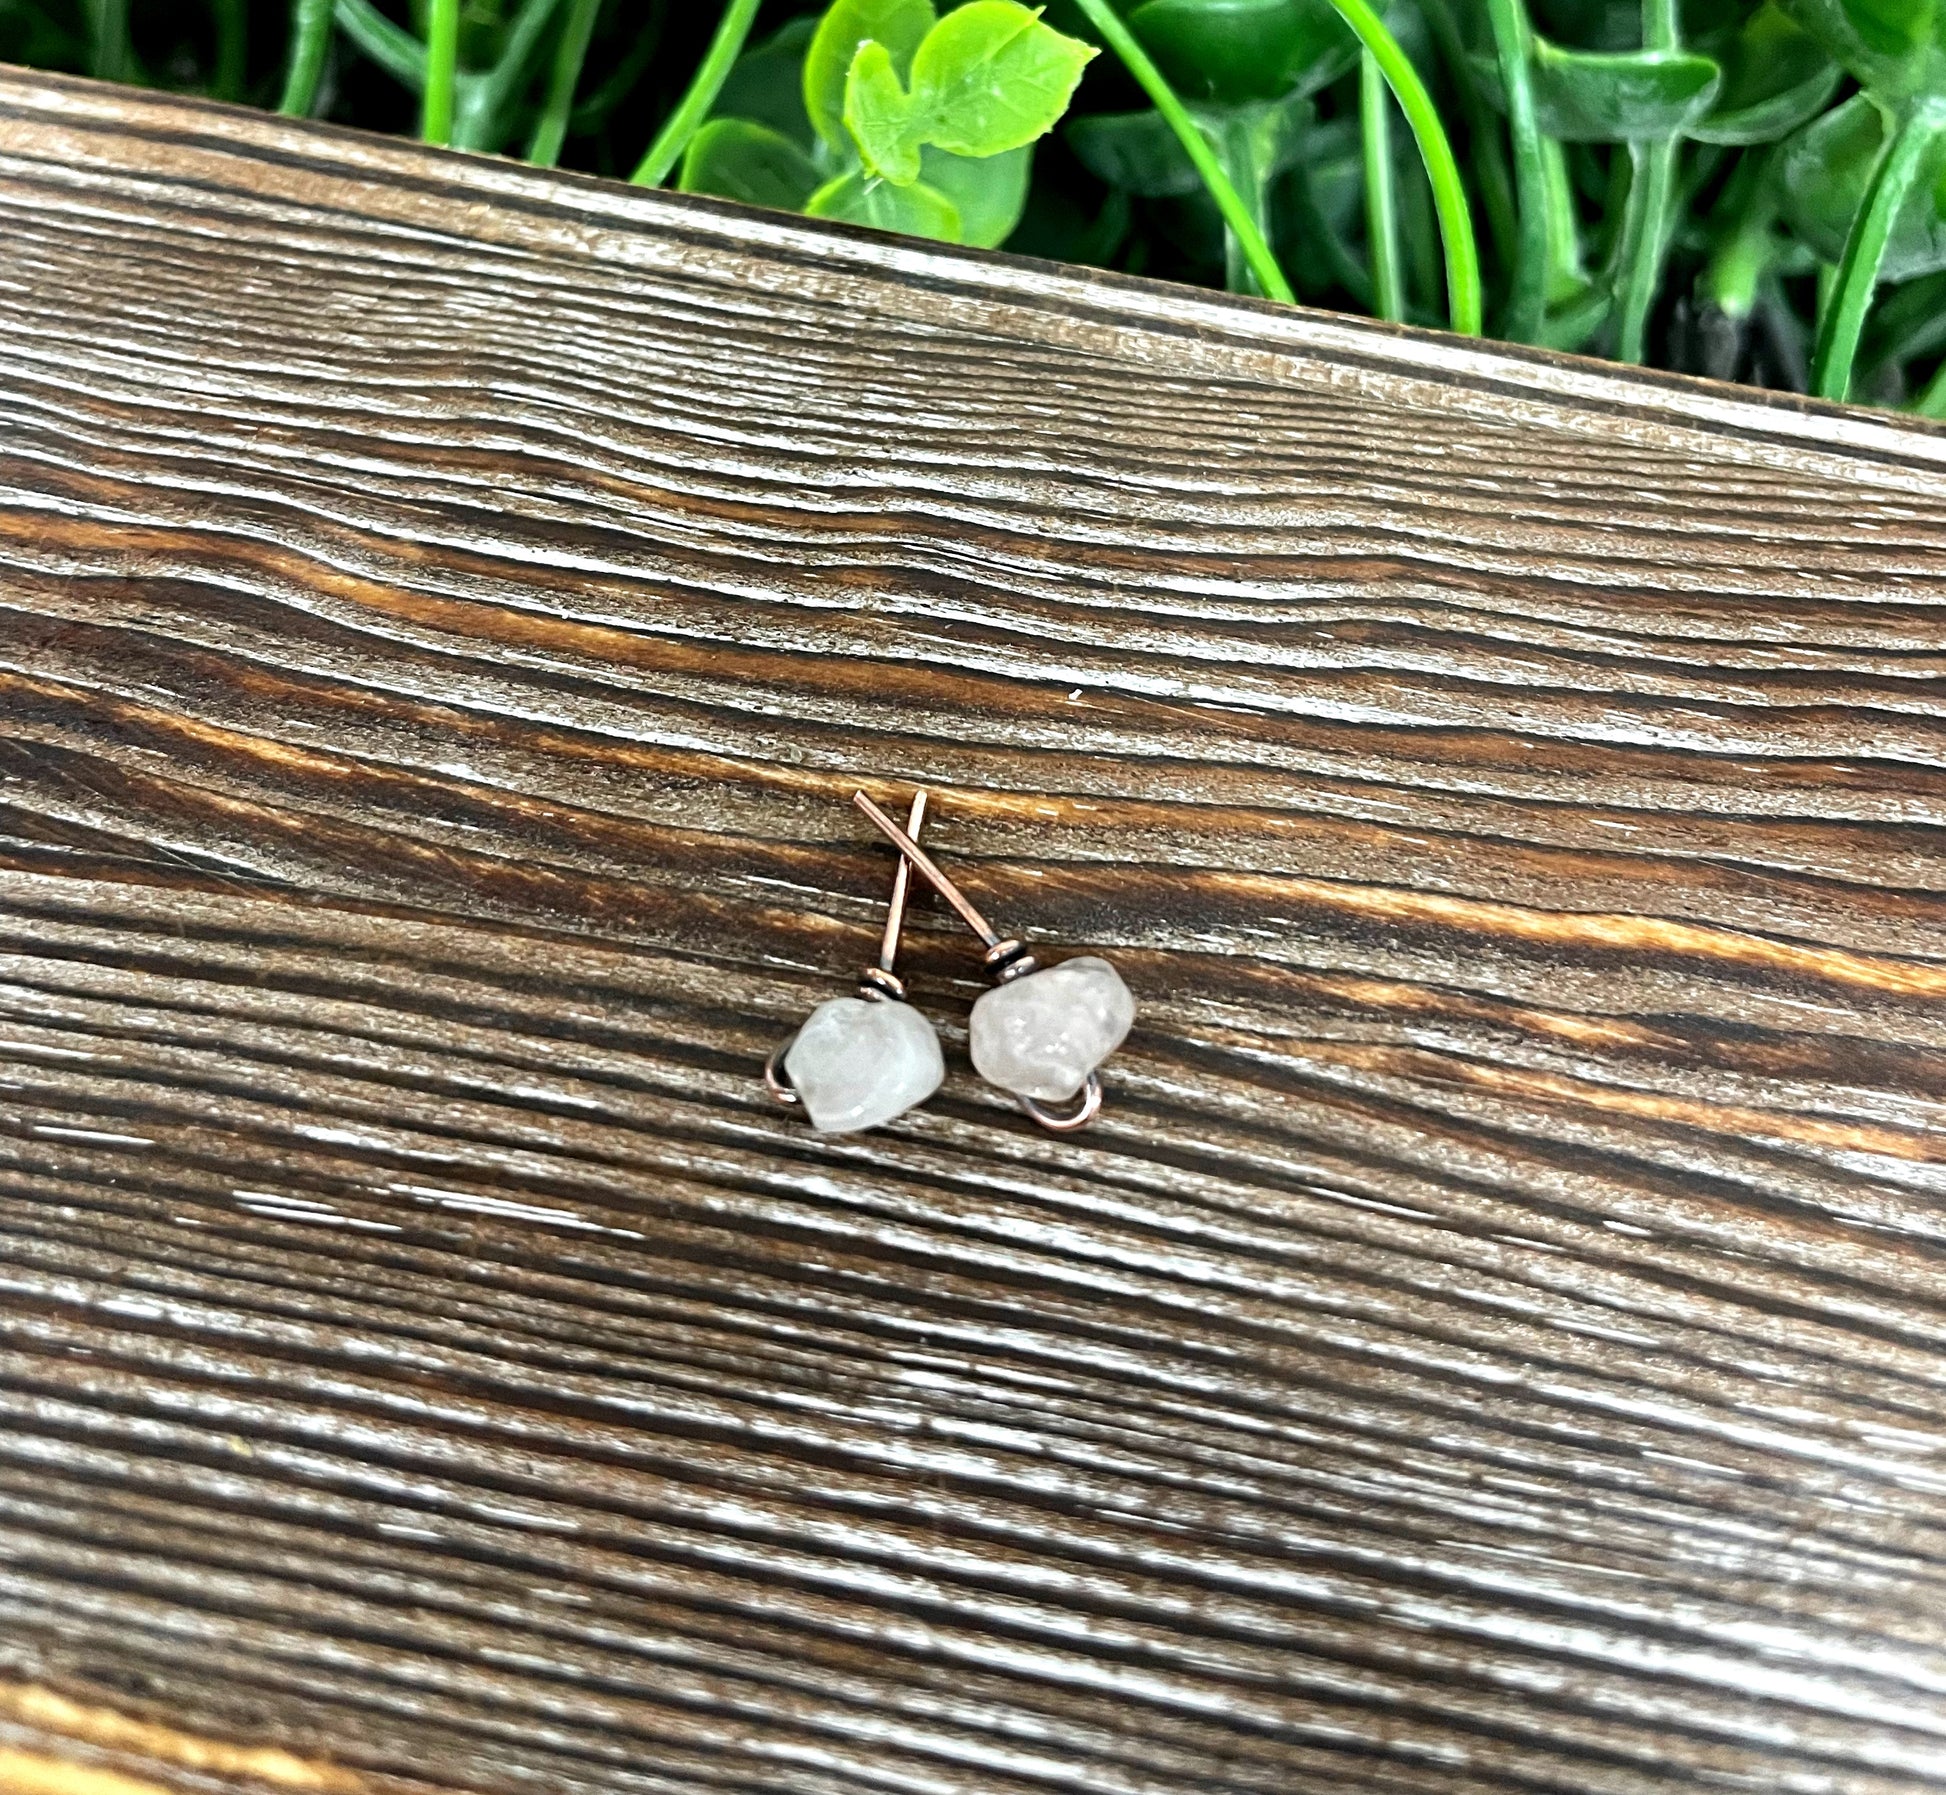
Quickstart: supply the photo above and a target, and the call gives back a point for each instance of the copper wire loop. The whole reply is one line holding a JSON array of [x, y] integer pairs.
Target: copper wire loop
[[776, 1080], [1085, 1111]]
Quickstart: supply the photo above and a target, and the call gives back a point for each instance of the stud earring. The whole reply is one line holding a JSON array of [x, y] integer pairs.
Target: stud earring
[[858, 1062], [1039, 1034]]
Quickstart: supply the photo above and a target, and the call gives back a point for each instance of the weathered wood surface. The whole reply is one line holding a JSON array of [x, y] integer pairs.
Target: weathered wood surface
[[1495, 1341]]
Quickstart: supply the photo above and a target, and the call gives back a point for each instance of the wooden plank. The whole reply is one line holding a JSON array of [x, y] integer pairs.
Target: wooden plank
[[1493, 1340]]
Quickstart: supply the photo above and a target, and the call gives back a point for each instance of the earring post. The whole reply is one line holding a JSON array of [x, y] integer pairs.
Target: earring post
[[888, 951], [919, 858]]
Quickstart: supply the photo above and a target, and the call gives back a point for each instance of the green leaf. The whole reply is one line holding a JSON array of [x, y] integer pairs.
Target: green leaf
[[900, 25], [1333, 158], [986, 80], [1575, 321], [1584, 96], [1135, 151], [1231, 50], [736, 158], [1611, 96], [859, 198], [881, 117], [1892, 46], [767, 84], [1823, 171], [1139, 153], [1607, 97], [1592, 24], [1776, 77], [1911, 322], [1055, 227], [991, 77], [1321, 204], [988, 192], [1776, 115], [1891, 27], [1822, 177]]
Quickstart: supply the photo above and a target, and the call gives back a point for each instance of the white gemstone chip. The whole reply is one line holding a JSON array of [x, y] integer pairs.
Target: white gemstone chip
[[1040, 1036], [857, 1064]]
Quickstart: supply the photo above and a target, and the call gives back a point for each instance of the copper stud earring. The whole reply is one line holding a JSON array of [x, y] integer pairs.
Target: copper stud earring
[[1039, 1034], [859, 1062]]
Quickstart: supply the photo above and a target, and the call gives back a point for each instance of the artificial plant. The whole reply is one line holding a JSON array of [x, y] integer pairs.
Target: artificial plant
[[1751, 188]]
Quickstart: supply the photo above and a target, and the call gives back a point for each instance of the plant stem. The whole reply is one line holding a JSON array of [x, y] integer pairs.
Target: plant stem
[[1826, 291], [551, 128], [1566, 274], [693, 108], [1448, 191], [310, 40], [232, 48], [110, 55], [1240, 148], [1339, 263], [620, 81], [1742, 257], [1783, 332], [1255, 246], [481, 100], [1911, 323], [1571, 326], [1645, 233], [1098, 246], [1651, 190], [442, 71], [1931, 402], [1842, 319], [1419, 233], [1381, 207], [1512, 43], [394, 49], [1730, 280], [1487, 153]]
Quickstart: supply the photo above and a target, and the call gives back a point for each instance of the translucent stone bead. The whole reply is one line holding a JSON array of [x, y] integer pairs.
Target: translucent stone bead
[[1040, 1036], [856, 1064]]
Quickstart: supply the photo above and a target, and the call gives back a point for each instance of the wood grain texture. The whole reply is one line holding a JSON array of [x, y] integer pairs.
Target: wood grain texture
[[1496, 1340]]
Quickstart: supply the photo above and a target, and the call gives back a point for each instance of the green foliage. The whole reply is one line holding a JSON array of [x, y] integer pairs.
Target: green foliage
[[915, 207], [988, 192], [1232, 50], [918, 123], [881, 116], [1823, 176], [1892, 47], [991, 77], [1620, 96], [1137, 152], [767, 85], [1776, 77], [1751, 188], [1256, 142], [987, 78], [737, 158], [899, 25]]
